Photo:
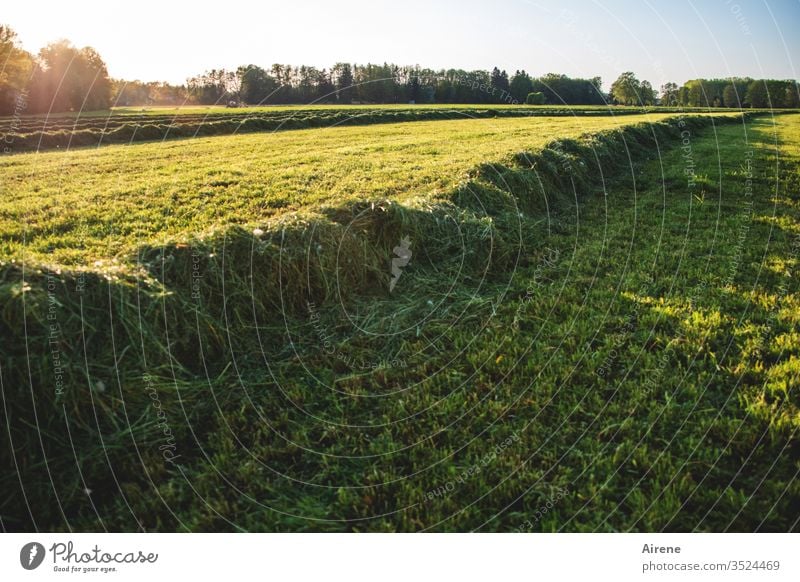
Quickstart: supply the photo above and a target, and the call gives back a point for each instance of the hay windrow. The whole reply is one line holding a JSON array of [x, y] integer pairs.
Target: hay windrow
[[69, 132]]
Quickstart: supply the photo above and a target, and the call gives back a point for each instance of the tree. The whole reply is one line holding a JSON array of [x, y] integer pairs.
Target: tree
[[535, 98], [70, 79], [696, 95], [595, 94], [683, 95], [128, 93], [215, 86], [647, 96], [413, 89], [757, 94], [730, 96], [374, 83], [777, 93], [500, 85], [306, 86], [343, 80], [626, 89], [15, 70], [569, 91], [326, 91], [96, 85], [521, 84], [669, 94], [792, 99], [256, 84], [284, 77]]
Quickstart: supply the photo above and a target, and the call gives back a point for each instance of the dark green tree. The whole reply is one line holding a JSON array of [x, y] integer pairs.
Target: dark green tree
[[731, 97], [647, 95], [70, 79], [626, 89], [343, 80], [500, 85], [16, 66], [520, 85], [669, 94], [256, 84], [535, 98], [326, 92], [757, 95], [792, 99]]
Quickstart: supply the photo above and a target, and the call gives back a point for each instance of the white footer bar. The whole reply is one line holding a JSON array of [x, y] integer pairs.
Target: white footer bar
[[401, 557]]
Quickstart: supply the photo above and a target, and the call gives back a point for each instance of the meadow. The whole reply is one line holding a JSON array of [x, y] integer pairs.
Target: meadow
[[596, 331], [192, 109], [90, 204], [129, 125]]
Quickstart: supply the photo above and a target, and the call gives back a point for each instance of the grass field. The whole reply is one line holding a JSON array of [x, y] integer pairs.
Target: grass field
[[94, 204], [130, 125], [594, 333], [223, 110]]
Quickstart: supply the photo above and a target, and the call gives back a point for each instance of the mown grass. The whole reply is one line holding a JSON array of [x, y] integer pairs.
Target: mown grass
[[633, 366], [223, 110], [70, 131], [77, 207]]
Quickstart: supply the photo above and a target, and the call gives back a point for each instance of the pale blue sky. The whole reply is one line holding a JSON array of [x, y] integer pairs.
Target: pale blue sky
[[660, 41]]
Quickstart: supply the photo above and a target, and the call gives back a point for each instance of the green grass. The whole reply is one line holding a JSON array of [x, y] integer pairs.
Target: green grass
[[221, 109], [618, 356], [216, 109], [74, 208], [126, 126]]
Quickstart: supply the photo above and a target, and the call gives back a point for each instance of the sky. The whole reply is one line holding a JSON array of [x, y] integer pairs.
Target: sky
[[672, 40]]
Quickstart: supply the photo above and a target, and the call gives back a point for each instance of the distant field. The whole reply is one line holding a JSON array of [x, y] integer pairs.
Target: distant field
[[137, 124], [216, 110], [221, 109], [157, 110], [80, 206]]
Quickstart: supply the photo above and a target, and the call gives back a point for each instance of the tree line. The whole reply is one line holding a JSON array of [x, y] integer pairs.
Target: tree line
[[62, 77], [735, 92], [386, 83]]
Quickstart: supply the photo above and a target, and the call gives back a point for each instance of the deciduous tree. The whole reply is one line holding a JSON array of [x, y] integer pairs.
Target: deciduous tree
[[15, 70]]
